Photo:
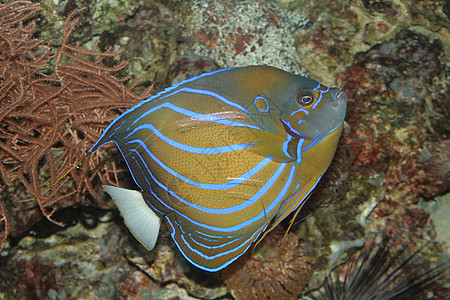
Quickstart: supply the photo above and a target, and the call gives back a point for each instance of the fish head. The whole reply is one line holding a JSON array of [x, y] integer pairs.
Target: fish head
[[313, 110]]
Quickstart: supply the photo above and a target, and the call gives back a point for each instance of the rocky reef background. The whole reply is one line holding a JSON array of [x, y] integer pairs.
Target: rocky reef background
[[390, 175]]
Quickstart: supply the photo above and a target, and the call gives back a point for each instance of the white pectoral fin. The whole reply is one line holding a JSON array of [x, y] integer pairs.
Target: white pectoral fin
[[139, 218]]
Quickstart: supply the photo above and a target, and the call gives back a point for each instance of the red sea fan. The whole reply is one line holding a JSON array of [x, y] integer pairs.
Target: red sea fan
[[49, 121]]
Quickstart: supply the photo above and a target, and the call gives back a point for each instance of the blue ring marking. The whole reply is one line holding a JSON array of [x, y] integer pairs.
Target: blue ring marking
[[206, 186], [301, 109], [189, 148], [228, 210], [151, 98], [299, 150], [288, 124], [265, 100], [320, 98], [314, 142], [286, 144], [297, 186], [208, 93]]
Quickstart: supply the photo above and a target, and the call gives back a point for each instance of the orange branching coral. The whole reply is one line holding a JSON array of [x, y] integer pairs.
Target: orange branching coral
[[49, 121], [276, 269]]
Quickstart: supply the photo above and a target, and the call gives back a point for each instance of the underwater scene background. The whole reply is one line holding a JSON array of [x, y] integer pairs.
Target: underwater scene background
[[64, 79]]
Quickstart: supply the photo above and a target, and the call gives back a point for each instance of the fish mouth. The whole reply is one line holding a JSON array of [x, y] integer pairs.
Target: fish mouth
[[340, 98]]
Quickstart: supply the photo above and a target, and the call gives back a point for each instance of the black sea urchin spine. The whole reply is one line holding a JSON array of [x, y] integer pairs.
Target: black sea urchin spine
[[379, 274]]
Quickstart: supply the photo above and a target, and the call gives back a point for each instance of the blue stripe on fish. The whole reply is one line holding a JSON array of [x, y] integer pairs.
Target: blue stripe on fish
[[292, 129], [301, 109], [285, 145], [295, 204], [223, 245], [314, 142], [221, 211], [255, 236], [247, 222], [316, 88], [299, 151], [320, 98], [207, 186], [223, 253], [151, 98], [189, 148], [209, 93], [193, 114]]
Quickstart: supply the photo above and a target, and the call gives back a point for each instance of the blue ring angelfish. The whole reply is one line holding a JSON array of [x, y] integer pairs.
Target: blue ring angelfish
[[221, 164]]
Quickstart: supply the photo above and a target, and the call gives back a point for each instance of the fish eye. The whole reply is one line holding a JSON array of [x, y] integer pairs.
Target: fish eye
[[305, 98]]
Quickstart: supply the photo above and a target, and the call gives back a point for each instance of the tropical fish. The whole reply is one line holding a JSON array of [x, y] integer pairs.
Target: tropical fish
[[224, 157]]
